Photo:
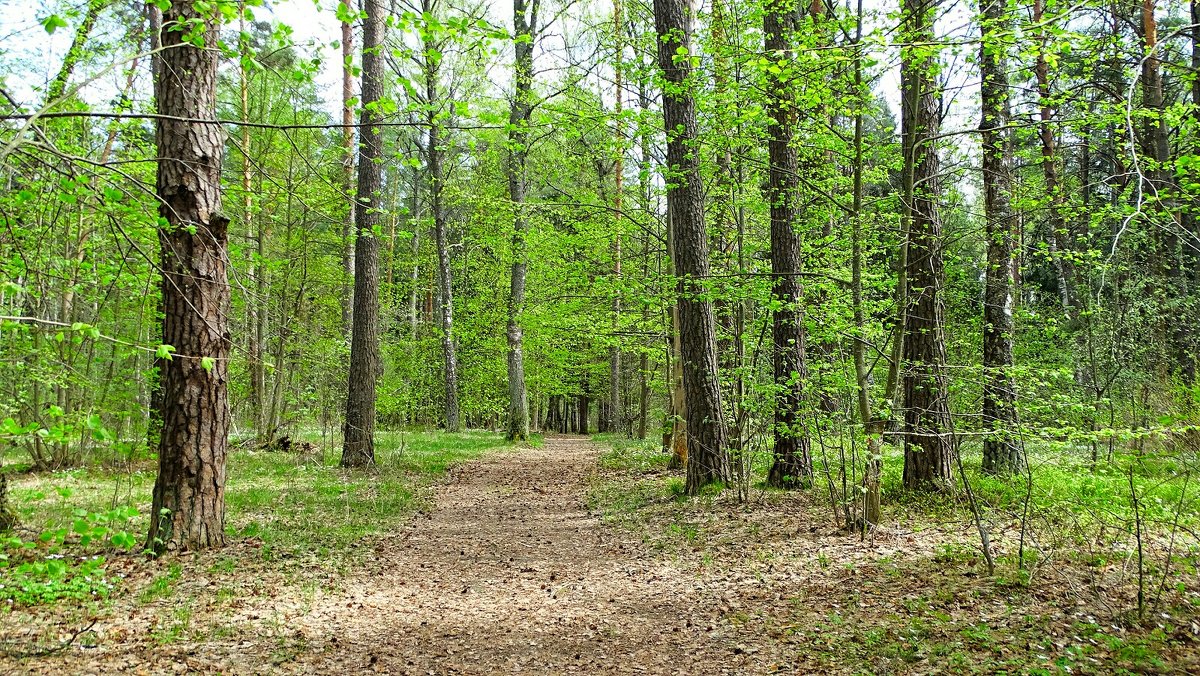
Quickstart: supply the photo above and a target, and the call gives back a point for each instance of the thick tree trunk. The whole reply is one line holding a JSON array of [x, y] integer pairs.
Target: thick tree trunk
[[928, 442], [189, 493], [792, 464], [708, 456], [348, 245], [358, 449], [518, 182], [1001, 452]]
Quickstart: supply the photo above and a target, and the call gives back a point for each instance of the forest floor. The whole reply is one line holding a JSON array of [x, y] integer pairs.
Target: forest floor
[[560, 560]]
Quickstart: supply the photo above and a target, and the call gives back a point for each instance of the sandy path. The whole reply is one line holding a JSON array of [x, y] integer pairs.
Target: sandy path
[[510, 573]]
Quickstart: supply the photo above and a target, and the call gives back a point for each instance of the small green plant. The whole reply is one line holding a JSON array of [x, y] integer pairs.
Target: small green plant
[[162, 585], [53, 579]]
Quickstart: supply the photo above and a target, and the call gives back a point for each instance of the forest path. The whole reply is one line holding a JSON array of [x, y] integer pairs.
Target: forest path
[[510, 573]]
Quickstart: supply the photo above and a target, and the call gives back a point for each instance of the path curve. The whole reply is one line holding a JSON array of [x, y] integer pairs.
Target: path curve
[[510, 573]]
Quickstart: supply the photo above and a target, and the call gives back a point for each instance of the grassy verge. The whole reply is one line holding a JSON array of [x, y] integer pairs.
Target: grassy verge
[[916, 596], [295, 510]]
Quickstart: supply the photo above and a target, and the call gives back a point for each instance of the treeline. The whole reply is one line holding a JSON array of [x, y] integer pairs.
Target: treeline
[[631, 219]]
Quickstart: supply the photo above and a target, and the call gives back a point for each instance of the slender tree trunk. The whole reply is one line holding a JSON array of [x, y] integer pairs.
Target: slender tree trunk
[[708, 456], [873, 426], [414, 310], [1058, 237], [614, 418], [1001, 452], [58, 86], [928, 443], [525, 20], [348, 246], [358, 449], [445, 279], [434, 153], [256, 307], [792, 464], [189, 493]]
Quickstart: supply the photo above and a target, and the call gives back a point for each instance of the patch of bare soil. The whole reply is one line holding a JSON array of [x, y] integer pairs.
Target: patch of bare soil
[[508, 573]]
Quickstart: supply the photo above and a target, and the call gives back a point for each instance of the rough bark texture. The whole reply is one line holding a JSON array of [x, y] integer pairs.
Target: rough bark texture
[[525, 22], [708, 458], [792, 464], [359, 434], [928, 442], [1001, 452], [189, 493]]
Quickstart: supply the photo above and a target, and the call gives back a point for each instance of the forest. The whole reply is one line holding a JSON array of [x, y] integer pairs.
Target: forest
[[621, 336]]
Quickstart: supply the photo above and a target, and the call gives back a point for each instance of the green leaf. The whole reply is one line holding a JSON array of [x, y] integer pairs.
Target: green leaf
[[53, 23]]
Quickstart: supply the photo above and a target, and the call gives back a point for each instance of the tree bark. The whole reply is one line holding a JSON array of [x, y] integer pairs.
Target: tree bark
[[1001, 452], [358, 449], [189, 493], [928, 443], [525, 22], [708, 458], [792, 464]]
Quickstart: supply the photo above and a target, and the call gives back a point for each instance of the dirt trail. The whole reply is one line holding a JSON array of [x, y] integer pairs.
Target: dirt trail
[[511, 574]]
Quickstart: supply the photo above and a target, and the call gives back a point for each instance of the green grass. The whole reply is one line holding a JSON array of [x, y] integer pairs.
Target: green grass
[[1064, 487], [298, 508]]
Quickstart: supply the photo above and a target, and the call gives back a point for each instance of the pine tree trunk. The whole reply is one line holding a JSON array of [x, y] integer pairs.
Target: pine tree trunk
[[928, 443], [358, 448], [1001, 452], [791, 465], [708, 456], [189, 493]]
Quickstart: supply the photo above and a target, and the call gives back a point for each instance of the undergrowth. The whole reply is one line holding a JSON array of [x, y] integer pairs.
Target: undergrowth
[[297, 508]]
